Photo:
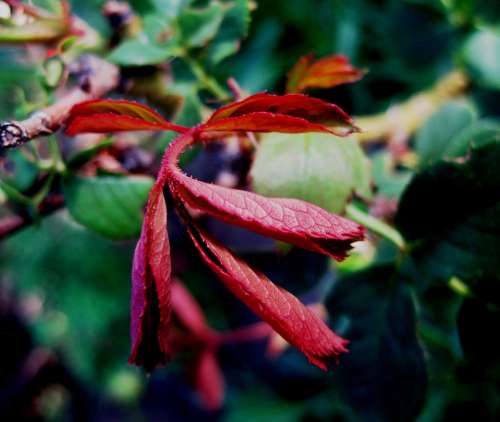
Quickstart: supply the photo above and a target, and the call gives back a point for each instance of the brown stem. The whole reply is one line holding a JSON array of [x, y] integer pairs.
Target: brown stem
[[97, 78], [13, 223], [235, 89]]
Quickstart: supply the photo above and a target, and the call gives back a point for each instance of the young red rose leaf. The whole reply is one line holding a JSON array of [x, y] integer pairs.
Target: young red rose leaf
[[119, 107], [263, 121], [330, 71], [323, 73], [289, 220], [188, 311], [276, 344], [150, 304], [313, 110], [108, 122], [279, 308], [102, 116], [297, 72], [209, 380]]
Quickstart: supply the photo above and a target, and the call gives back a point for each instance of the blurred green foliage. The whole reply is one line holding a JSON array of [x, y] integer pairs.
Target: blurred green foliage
[[421, 321]]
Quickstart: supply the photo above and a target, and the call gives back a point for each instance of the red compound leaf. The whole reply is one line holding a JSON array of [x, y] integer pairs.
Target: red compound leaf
[[209, 380], [279, 308], [102, 116], [150, 307], [323, 73], [276, 344], [290, 113], [289, 220]]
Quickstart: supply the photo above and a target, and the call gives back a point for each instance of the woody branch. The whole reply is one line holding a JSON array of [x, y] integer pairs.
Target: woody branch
[[96, 77]]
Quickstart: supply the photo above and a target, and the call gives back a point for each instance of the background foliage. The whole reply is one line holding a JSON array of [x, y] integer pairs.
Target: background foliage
[[421, 321]]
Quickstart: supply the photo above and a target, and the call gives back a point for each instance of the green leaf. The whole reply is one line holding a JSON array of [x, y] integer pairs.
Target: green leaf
[[199, 26], [14, 195], [481, 132], [234, 27], [389, 182], [433, 138], [188, 114], [257, 67], [154, 27], [453, 210], [111, 206], [170, 8], [482, 56], [53, 70], [263, 407], [378, 315], [317, 168], [81, 157], [141, 52], [149, 47], [23, 172], [467, 12]]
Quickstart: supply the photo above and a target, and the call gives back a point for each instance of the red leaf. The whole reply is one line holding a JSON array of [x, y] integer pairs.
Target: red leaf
[[150, 305], [103, 116], [324, 73], [277, 344], [187, 310], [210, 380], [294, 105], [263, 121], [289, 220], [108, 122], [297, 72], [279, 308], [119, 107]]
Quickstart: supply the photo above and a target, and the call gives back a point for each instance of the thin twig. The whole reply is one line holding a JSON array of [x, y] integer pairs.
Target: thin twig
[[13, 223], [96, 78], [235, 89]]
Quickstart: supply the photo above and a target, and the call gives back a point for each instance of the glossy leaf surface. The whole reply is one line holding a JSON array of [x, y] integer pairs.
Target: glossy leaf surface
[[294, 105], [297, 324], [290, 220], [111, 206], [102, 116]]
